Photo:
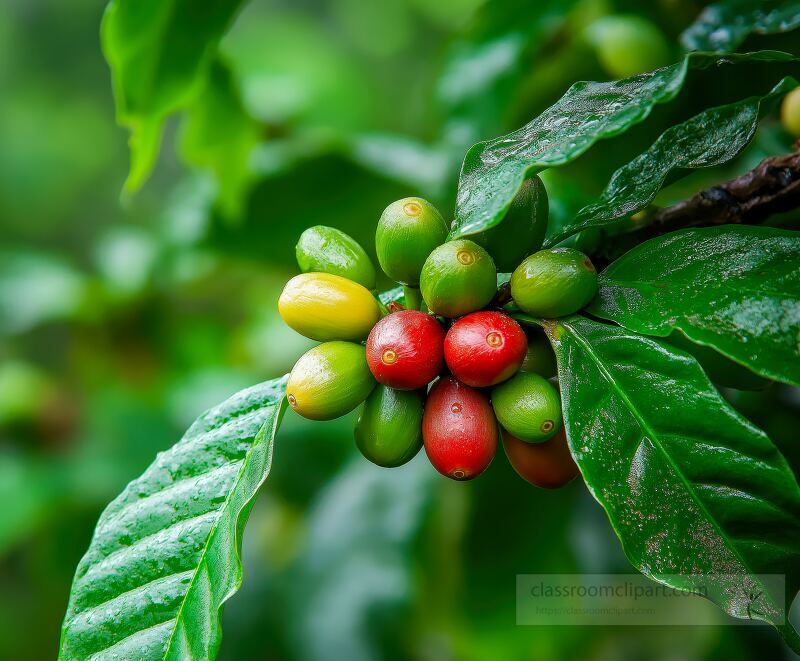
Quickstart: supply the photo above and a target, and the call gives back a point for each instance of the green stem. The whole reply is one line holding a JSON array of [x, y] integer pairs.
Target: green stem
[[412, 297]]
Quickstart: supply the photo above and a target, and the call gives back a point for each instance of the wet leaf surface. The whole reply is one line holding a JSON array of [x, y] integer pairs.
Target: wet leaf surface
[[166, 552], [696, 493], [723, 26], [734, 288]]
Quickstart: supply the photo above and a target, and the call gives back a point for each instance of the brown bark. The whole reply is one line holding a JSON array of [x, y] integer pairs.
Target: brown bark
[[772, 187]]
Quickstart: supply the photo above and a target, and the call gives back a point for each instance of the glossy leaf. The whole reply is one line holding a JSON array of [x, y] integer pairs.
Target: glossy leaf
[[734, 288], [166, 553], [696, 493], [722, 26], [219, 135], [713, 137], [158, 51], [493, 171]]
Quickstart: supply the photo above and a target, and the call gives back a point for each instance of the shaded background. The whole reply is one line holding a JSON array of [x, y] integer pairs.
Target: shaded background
[[122, 320]]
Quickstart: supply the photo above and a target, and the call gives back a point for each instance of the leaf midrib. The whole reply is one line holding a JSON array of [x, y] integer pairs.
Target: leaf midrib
[[212, 533]]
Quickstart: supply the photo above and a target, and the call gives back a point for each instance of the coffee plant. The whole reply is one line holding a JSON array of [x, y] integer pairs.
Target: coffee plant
[[592, 347]]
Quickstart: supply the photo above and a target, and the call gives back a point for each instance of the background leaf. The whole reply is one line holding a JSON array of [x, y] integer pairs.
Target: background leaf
[[722, 26], [493, 171], [697, 494], [713, 137], [360, 555], [484, 68], [734, 288], [157, 64], [165, 554], [219, 135]]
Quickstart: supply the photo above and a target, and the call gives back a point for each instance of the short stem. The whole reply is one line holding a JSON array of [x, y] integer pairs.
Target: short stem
[[413, 297]]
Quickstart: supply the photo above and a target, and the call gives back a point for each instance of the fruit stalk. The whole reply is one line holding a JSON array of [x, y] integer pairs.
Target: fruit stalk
[[413, 297]]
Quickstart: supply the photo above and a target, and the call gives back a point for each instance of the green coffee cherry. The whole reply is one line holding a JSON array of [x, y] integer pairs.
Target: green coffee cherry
[[327, 250], [521, 231], [720, 370], [408, 231], [790, 112], [528, 406], [389, 429], [458, 277], [329, 380], [554, 283], [323, 306], [539, 358], [627, 45]]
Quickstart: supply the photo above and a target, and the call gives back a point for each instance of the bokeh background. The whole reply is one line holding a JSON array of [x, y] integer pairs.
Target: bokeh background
[[123, 317]]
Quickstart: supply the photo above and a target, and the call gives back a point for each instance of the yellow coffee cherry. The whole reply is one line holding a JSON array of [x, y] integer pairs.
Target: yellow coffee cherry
[[329, 381], [325, 307]]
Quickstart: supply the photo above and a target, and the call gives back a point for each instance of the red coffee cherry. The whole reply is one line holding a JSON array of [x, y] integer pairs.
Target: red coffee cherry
[[404, 350], [485, 348], [548, 465], [459, 430]]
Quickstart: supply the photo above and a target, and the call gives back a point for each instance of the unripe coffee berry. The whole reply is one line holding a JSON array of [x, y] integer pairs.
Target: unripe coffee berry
[[324, 307], [484, 348], [405, 350], [458, 277], [528, 406], [389, 429], [407, 232], [329, 381], [522, 229], [324, 249], [554, 283], [459, 430], [548, 465]]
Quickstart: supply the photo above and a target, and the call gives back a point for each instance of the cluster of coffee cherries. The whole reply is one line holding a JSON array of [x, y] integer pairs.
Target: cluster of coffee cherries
[[448, 368]]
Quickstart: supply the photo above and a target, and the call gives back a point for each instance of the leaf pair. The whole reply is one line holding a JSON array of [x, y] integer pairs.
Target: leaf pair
[[493, 171]]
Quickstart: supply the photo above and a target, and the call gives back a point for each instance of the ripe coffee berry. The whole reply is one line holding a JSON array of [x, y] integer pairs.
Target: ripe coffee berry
[[548, 465], [484, 348], [459, 430], [405, 350]]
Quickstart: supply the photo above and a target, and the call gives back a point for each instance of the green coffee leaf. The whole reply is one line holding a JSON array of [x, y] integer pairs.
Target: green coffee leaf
[[157, 64], [697, 495], [493, 171], [722, 26], [219, 135], [166, 553], [734, 288], [712, 137]]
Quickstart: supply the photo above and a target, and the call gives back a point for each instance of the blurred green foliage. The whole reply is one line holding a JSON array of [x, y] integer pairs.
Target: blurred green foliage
[[120, 321]]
